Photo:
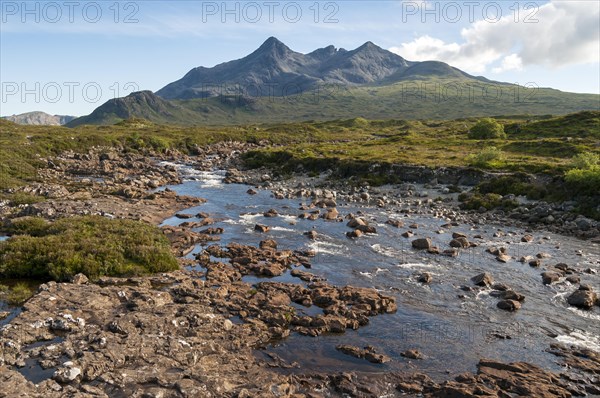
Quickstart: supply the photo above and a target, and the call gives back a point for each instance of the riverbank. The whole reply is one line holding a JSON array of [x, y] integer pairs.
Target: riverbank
[[194, 333]]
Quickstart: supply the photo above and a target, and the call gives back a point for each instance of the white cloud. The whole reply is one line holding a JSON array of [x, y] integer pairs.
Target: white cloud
[[566, 32], [511, 62]]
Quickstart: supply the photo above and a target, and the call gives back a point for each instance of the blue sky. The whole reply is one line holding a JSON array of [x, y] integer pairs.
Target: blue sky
[[70, 57]]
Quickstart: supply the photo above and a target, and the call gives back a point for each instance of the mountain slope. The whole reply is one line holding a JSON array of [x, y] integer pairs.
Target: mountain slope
[[39, 118], [277, 84], [142, 104]]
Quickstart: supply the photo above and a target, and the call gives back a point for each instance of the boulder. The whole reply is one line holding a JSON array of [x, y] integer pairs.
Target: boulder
[[581, 298], [483, 279], [509, 305], [421, 243]]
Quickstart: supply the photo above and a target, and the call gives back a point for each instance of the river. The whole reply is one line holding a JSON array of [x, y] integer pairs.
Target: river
[[451, 327]]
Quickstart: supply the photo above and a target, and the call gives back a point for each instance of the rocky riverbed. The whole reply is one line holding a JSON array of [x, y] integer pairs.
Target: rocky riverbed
[[220, 326]]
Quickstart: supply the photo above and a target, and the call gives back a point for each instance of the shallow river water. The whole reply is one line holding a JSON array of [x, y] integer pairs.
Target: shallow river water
[[452, 332]]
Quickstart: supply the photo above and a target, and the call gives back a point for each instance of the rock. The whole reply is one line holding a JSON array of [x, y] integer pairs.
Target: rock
[[367, 353], [227, 324], [354, 234], [66, 374], [268, 244], [456, 235], [543, 255], [356, 222], [527, 239], [262, 228], [184, 216], [367, 229], [535, 263], [503, 258], [421, 243], [408, 234], [79, 279], [332, 214], [483, 279], [512, 295], [573, 279], [395, 223], [460, 242], [509, 305], [312, 234], [550, 277], [585, 299], [414, 226], [271, 213], [425, 278], [251, 192], [412, 354]]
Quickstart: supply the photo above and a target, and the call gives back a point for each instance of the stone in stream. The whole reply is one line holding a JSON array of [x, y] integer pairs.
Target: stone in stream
[[456, 235], [367, 229], [421, 243], [184, 216], [550, 277], [395, 223], [202, 215], [511, 295], [583, 298], [503, 258], [332, 214], [262, 228], [251, 192], [573, 279], [312, 234], [527, 239], [543, 255], [425, 278], [354, 234], [412, 354], [367, 353], [271, 213], [535, 262], [460, 242], [408, 234], [483, 279], [356, 222], [509, 305], [496, 251]]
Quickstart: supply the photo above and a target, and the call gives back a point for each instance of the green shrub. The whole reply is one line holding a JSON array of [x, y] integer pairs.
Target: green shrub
[[19, 294], [486, 157], [584, 182], [487, 128], [34, 226], [586, 161], [475, 201], [92, 245]]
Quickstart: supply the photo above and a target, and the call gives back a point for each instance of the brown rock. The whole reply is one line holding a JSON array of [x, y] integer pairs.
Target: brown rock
[[421, 243]]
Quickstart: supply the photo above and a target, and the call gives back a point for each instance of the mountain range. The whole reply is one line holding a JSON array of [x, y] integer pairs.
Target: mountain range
[[40, 118], [275, 83]]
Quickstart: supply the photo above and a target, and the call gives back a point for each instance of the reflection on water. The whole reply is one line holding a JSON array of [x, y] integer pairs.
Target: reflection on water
[[453, 328]]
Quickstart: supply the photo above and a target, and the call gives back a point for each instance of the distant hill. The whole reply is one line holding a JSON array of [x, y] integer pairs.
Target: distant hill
[[277, 84], [40, 118]]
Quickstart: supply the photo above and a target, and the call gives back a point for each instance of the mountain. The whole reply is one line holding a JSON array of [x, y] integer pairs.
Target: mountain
[[142, 104], [274, 69], [277, 84], [40, 118]]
